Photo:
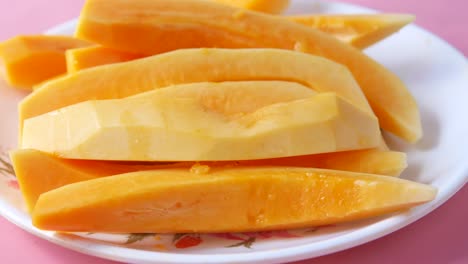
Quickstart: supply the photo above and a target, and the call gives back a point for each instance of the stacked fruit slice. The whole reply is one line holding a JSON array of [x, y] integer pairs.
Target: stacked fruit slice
[[191, 110]]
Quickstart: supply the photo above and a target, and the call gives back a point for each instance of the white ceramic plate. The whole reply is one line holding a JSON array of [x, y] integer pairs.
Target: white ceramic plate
[[435, 73]]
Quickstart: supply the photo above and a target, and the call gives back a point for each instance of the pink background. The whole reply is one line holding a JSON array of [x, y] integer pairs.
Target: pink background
[[441, 237]]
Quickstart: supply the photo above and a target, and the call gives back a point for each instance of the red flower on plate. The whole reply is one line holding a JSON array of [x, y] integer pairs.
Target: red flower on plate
[[13, 184], [187, 241]]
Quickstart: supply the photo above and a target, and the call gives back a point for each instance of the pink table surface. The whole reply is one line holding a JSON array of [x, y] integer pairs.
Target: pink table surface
[[440, 237]]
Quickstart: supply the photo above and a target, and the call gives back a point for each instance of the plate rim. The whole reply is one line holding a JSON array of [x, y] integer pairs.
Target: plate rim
[[292, 253]]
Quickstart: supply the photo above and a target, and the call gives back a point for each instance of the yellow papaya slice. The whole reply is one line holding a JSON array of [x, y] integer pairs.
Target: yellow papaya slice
[[29, 60], [266, 6], [87, 57], [390, 163], [157, 127], [248, 199], [38, 172], [189, 66], [194, 24], [361, 31]]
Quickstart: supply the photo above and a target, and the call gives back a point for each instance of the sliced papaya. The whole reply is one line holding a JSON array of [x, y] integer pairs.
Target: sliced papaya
[[190, 24], [157, 127], [38, 172], [266, 6], [29, 60], [361, 31], [87, 57], [189, 66], [248, 199], [390, 163]]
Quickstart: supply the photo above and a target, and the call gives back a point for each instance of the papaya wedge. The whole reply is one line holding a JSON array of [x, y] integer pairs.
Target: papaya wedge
[[158, 126], [38, 172], [26, 61], [360, 31], [189, 66], [194, 24], [266, 6], [248, 199], [87, 57]]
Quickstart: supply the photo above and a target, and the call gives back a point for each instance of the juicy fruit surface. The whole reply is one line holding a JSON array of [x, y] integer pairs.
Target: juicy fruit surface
[[233, 98], [390, 163], [83, 58], [29, 60], [267, 6], [216, 25], [267, 198], [151, 126], [361, 31], [189, 66], [38, 172]]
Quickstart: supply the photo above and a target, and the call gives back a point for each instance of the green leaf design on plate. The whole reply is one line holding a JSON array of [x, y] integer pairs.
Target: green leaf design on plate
[[135, 237], [5, 166], [246, 243], [178, 236], [311, 230]]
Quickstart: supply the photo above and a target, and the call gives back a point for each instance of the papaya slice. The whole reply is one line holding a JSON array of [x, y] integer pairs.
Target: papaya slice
[[390, 163], [248, 199], [361, 31], [191, 24], [266, 6], [38, 172], [159, 126], [29, 60], [189, 66], [87, 57]]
